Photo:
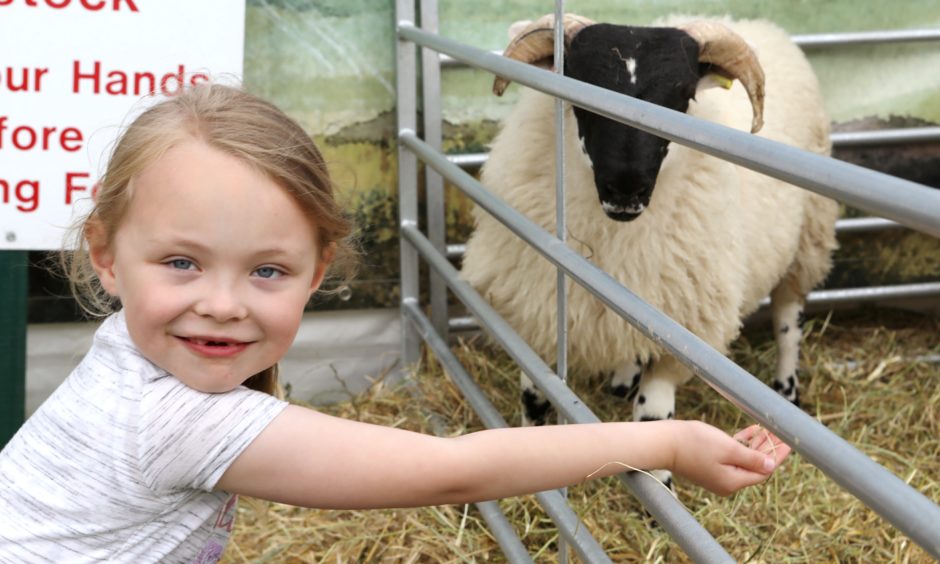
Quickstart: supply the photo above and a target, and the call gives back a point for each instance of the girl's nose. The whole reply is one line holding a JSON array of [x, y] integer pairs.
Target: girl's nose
[[221, 302]]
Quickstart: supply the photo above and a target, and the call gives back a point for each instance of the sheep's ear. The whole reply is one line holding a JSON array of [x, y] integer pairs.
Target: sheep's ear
[[517, 27]]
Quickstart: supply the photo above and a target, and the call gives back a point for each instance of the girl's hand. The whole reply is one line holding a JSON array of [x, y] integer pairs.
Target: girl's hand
[[710, 458]]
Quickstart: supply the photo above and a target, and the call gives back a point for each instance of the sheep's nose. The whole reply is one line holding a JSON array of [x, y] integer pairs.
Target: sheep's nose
[[634, 207], [622, 205]]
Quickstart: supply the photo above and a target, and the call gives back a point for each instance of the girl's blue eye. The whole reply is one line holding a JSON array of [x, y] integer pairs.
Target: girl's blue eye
[[268, 272], [182, 264]]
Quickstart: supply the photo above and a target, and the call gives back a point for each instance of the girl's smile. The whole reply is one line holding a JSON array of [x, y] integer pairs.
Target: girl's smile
[[214, 347]]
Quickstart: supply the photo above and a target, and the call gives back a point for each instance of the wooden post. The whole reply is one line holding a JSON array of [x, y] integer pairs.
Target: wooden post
[[13, 292]]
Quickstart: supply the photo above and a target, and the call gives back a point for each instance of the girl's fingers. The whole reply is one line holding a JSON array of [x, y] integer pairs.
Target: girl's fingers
[[745, 435], [753, 460], [762, 442], [765, 445], [757, 438], [771, 446]]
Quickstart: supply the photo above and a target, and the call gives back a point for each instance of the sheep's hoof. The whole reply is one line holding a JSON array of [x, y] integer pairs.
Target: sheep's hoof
[[625, 390], [535, 409], [789, 391], [622, 391]]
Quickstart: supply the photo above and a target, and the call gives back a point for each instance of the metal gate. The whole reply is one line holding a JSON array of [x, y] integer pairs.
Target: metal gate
[[885, 196]]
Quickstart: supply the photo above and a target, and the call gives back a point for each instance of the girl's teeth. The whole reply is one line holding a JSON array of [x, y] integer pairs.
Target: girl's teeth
[[209, 343]]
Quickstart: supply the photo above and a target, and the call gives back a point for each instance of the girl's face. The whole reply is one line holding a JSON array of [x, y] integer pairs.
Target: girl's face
[[213, 264]]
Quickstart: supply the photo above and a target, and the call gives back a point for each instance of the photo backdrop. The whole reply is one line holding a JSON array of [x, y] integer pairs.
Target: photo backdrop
[[330, 64]]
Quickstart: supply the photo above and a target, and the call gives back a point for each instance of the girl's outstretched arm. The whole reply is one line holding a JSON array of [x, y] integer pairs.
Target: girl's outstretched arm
[[312, 459]]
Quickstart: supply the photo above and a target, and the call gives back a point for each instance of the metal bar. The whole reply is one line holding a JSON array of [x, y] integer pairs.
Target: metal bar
[[455, 251], [909, 510], [569, 525], [809, 41], [469, 160], [462, 324], [561, 298], [505, 535], [865, 37], [837, 296], [872, 294], [13, 290], [669, 513], [406, 74], [481, 405], [502, 531], [434, 184], [907, 202], [448, 62], [840, 139], [853, 225], [859, 225], [844, 226], [820, 299], [877, 137]]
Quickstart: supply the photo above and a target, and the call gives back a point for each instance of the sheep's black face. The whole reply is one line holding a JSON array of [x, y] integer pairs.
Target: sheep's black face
[[658, 65]]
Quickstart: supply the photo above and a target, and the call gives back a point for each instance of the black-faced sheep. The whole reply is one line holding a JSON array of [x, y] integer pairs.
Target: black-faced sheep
[[701, 239]]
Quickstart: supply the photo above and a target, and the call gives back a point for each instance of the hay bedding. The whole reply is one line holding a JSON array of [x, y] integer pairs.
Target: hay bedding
[[858, 379]]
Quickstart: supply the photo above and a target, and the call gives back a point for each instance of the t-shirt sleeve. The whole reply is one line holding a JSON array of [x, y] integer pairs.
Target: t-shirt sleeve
[[188, 439]]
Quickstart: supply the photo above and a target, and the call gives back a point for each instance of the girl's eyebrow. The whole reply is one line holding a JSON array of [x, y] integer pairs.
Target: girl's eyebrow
[[178, 241], [278, 252]]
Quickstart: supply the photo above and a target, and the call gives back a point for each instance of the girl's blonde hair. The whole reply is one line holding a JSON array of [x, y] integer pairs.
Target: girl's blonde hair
[[238, 124]]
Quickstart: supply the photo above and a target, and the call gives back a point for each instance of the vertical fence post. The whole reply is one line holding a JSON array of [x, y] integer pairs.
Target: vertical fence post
[[561, 296], [406, 73], [434, 184], [13, 290], [560, 218]]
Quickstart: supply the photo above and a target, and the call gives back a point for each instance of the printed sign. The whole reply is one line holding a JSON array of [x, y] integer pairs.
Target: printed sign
[[72, 72]]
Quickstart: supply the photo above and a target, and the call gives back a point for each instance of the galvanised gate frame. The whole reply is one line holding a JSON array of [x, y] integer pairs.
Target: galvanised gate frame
[[905, 202]]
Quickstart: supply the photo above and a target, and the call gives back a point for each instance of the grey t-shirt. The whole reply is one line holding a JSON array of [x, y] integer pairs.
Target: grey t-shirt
[[120, 463]]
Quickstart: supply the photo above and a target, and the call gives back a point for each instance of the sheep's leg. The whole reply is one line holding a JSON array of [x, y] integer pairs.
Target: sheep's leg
[[626, 380], [535, 406], [656, 397], [787, 309]]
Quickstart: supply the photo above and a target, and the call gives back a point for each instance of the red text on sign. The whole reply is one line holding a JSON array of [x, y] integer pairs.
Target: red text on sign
[[26, 138], [23, 194], [22, 79], [92, 5], [120, 83], [72, 186]]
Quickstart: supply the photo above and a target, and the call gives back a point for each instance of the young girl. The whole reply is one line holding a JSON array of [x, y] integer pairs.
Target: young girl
[[214, 224]]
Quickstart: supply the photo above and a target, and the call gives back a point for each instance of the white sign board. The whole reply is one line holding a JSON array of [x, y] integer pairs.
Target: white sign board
[[72, 72]]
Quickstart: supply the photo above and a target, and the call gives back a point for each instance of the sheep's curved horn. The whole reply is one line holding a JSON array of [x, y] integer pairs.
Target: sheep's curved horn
[[537, 42], [725, 49]]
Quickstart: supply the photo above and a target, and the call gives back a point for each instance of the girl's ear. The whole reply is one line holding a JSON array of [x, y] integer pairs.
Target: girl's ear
[[101, 255], [326, 258]]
